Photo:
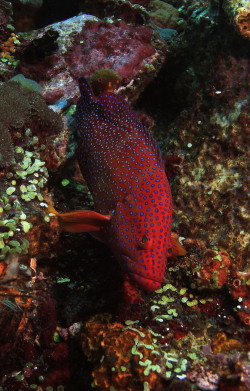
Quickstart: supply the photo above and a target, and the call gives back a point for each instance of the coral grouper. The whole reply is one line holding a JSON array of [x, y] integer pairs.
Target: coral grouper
[[125, 173]]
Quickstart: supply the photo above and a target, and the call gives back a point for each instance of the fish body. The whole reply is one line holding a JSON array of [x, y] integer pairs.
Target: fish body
[[125, 173]]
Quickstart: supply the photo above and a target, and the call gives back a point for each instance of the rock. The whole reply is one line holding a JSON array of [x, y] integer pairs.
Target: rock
[[32, 3], [24, 12], [85, 45], [5, 12]]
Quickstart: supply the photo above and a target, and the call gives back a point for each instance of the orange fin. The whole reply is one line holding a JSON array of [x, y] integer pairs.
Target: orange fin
[[177, 248], [80, 220]]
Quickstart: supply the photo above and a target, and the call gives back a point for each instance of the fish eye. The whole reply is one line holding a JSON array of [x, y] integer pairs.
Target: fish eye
[[144, 243]]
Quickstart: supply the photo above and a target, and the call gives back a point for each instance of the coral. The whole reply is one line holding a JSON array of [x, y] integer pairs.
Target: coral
[[32, 3], [192, 333], [27, 84], [204, 378], [24, 175], [240, 291], [8, 47], [42, 363], [8, 43], [144, 3], [221, 343], [125, 357], [163, 14], [213, 269], [26, 180], [6, 31], [239, 15], [6, 147], [116, 352], [29, 112], [215, 166], [104, 80], [171, 302]]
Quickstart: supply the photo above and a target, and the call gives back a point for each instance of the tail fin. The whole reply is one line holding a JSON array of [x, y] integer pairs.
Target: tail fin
[[80, 220]]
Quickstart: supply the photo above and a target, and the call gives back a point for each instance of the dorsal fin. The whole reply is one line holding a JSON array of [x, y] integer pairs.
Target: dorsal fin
[[85, 90]]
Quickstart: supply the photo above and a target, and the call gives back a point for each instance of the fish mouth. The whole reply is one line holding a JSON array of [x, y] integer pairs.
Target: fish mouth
[[146, 283]]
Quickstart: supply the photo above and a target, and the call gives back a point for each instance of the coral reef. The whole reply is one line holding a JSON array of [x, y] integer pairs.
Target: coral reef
[[212, 269], [9, 41], [218, 171], [127, 357], [23, 175], [221, 343], [163, 14], [27, 84], [26, 235], [156, 13], [240, 291], [212, 139], [239, 15], [30, 112]]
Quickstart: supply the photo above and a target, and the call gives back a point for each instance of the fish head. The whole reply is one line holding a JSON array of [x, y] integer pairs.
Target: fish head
[[141, 241]]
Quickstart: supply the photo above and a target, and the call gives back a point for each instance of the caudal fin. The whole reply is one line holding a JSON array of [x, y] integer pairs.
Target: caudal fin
[[80, 220]]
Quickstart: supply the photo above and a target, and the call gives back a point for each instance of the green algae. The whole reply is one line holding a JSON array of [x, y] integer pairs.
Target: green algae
[[22, 177]]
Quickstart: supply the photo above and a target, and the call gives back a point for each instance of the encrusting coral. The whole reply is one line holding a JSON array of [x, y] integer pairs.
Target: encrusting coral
[[239, 15], [127, 356]]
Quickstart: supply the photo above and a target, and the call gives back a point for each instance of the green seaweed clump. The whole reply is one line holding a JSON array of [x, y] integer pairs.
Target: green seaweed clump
[[25, 181], [104, 80]]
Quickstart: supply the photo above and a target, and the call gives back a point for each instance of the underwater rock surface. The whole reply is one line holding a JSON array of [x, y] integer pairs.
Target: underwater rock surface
[[86, 44]]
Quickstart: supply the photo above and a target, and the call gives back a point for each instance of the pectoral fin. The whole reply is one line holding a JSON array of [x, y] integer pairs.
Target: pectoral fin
[[177, 248], [80, 220]]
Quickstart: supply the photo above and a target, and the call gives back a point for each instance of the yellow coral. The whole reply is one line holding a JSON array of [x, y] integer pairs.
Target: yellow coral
[[239, 15], [8, 47], [221, 343]]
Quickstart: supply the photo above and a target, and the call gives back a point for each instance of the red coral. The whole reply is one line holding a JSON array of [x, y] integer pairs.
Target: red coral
[[214, 269]]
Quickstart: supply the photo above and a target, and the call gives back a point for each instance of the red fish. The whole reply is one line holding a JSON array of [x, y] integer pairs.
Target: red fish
[[125, 173]]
